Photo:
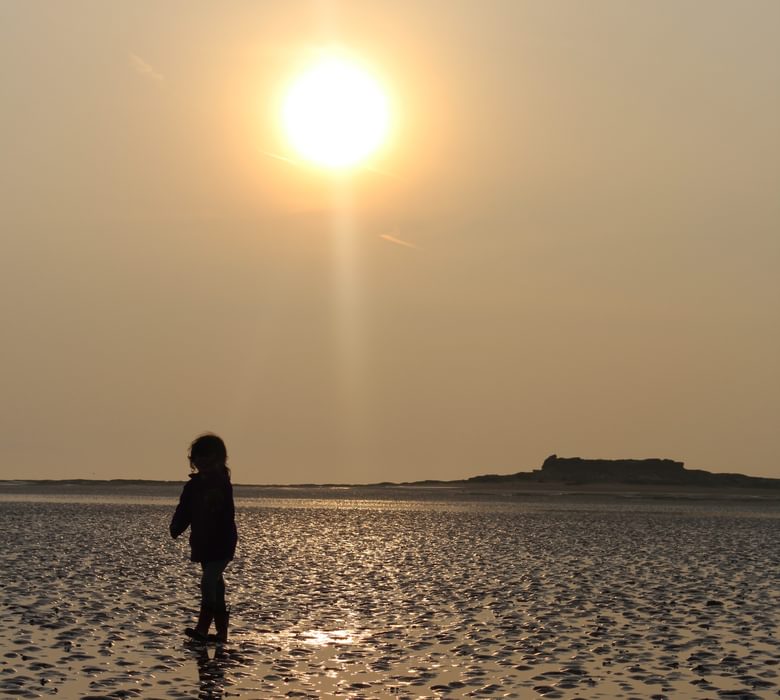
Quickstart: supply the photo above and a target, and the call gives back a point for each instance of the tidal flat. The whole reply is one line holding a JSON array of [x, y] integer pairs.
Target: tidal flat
[[428, 596]]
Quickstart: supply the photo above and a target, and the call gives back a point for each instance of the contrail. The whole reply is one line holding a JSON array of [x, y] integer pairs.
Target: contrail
[[398, 241], [284, 159], [143, 68]]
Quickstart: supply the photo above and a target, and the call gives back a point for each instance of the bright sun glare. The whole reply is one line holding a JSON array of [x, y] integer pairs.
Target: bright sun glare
[[335, 114]]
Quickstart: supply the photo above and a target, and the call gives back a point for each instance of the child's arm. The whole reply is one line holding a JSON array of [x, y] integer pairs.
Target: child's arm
[[182, 517]]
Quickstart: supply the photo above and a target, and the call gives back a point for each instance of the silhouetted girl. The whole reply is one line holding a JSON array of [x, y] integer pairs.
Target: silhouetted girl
[[206, 506]]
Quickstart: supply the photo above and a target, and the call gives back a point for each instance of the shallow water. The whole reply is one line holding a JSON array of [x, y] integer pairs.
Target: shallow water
[[368, 599]]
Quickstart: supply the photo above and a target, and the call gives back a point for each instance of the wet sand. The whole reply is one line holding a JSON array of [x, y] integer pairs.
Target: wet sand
[[397, 598]]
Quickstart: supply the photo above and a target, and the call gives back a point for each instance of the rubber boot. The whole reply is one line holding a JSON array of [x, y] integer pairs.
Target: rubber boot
[[201, 630], [222, 622]]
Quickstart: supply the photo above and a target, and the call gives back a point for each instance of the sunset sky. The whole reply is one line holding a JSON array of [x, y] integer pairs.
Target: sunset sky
[[568, 242]]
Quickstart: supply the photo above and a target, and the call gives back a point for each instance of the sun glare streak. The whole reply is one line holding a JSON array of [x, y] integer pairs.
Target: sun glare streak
[[346, 290], [348, 325]]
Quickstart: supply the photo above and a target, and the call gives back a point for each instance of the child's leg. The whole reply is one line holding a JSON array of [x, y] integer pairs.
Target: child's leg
[[221, 614], [212, 602], [220, 604], [212, 586], [208, 601]]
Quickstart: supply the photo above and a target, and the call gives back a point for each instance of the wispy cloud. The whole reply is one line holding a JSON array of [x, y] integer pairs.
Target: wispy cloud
[[398, 241], [143, 68]]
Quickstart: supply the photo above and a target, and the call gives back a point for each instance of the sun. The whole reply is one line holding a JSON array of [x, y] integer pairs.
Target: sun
[[335, 114]]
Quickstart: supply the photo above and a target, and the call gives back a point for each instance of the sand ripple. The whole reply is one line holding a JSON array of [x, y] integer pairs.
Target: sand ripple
[[384, 599]]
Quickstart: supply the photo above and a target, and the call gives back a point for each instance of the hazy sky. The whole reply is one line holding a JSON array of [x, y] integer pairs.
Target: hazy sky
[[590, 191]]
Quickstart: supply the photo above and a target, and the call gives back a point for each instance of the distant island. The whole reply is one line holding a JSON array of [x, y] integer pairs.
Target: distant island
[[575, 471]]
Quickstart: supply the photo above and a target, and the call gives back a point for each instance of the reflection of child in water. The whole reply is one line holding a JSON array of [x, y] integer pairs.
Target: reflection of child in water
[[206, 507], [211, 672]]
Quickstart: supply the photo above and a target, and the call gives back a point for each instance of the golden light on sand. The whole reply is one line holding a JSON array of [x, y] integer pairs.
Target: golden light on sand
[[335, 114]]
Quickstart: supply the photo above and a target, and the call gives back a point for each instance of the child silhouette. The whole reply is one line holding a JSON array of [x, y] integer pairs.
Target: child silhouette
[[206, 507]]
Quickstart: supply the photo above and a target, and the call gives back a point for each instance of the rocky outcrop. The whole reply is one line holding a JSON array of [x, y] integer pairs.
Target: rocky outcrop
[[624, 470]]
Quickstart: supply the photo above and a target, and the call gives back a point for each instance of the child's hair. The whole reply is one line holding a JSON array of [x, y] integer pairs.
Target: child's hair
[[209, 449]]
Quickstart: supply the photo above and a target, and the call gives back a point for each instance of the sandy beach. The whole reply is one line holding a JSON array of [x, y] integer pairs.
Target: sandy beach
[[369, 598]]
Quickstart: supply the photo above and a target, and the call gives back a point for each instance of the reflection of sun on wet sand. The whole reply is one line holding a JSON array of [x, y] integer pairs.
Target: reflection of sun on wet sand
[[554, 598]]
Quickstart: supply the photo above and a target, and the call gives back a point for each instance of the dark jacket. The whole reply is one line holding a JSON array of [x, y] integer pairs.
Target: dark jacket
[[206, 506]]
